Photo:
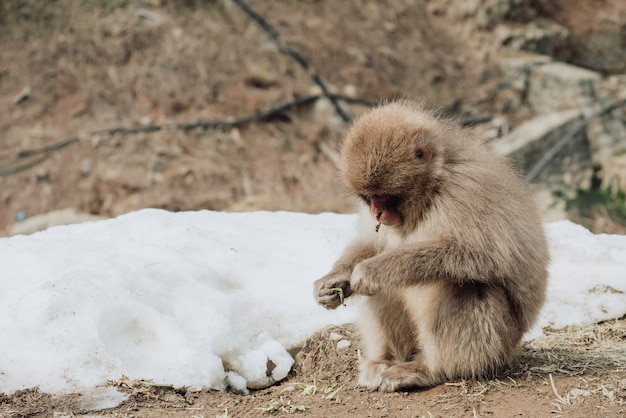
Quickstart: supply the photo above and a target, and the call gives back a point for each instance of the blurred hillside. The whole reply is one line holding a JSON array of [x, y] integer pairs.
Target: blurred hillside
[[70, 67]]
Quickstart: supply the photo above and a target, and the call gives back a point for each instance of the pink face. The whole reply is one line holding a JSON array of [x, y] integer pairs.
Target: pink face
[[384, 210]]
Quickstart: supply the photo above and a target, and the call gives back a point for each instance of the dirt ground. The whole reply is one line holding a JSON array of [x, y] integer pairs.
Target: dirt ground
[[69, 68], [87, 68], [576, 372]]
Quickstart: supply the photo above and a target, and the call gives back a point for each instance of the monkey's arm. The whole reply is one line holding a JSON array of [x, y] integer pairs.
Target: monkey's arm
[[325, 289], [434, 260]]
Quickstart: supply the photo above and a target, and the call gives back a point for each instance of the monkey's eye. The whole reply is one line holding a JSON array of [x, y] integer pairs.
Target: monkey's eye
[[365, 198]]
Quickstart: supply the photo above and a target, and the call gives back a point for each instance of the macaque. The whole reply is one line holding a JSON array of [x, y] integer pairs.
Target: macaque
[[451, 256]]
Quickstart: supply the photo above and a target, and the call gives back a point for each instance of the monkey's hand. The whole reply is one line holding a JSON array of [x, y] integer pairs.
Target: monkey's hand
[[332, 289], [362, 280]]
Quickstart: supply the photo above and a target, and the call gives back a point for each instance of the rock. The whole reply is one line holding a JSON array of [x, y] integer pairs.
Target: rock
[[530, 141], [86, 167], [598, 34], [541, 36], [24, 94], [46, 220], [488, 13], [578, 392], [534, 131], [602, 50], [607, 136], [557, 86], [335, 336], [343, 344], [550, 87], [517, 68], [149, 15]]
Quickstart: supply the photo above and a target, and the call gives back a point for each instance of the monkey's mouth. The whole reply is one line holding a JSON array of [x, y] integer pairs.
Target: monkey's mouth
[[384, 208], [390, 222], [387, 214]]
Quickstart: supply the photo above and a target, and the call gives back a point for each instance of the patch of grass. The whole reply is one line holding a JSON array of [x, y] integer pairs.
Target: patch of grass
[[280, 405], [106, 6], [32, 19], [587, 203], [339, 291], [307, 388], [329, 392], [601, 209], [31, 15]]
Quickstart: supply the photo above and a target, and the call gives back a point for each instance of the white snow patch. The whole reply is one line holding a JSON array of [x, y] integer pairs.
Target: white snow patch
[[210, 299]]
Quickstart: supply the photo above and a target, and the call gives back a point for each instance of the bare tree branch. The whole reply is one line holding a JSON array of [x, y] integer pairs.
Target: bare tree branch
[[264, 115], [567, 138], [295, 55]]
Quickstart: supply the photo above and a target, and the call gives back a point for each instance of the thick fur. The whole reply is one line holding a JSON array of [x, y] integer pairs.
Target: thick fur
[[452, 288]]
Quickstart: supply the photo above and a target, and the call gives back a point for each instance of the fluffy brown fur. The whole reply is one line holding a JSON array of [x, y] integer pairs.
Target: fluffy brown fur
[[457, 272]]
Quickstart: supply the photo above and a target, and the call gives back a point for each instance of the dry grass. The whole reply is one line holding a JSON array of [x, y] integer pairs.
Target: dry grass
[[579, 349], [593, 354], [323, 356]]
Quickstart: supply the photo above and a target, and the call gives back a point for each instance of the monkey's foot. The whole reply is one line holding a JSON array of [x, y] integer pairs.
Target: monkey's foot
[[406, 375], [371, 374]]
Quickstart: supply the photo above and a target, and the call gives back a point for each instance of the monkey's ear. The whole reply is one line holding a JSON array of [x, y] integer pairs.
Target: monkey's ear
[[424, 153]]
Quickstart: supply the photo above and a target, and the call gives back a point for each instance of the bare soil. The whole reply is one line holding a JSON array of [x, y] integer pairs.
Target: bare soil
[[104, 64], [576, 372], [90, 68]]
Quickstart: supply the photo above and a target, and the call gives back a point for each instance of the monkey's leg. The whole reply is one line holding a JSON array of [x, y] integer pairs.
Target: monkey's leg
[[375, 348], [469, 332], [387, 337]]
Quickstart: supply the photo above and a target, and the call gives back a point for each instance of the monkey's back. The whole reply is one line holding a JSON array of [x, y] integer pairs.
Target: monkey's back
[[485, 206]]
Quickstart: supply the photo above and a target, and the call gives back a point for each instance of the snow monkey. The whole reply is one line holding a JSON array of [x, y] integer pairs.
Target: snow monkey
[[451, 256]]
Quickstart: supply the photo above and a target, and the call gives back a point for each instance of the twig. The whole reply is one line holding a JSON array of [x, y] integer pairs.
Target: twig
[[22, 167], [331, 154], [295, 55], [48, 148], [264, 115], [559, 398], [475, 120], [567, 138]]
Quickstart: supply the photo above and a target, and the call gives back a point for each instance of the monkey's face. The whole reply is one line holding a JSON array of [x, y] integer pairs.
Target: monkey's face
[[387, 161]]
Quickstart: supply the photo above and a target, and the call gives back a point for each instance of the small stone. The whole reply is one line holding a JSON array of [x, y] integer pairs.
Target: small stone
[[148, 15], [194, 389], [335, 336], [22, 95], [85, 167], [287, 389], [576, 392], [343, 344]]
